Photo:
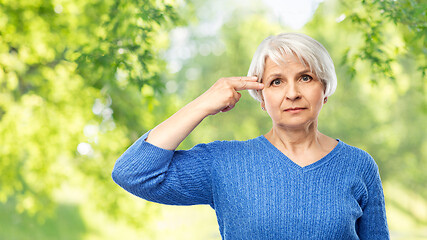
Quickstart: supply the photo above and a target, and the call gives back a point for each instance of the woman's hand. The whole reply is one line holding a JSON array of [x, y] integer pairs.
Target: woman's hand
[[224, 95], [221, 97]]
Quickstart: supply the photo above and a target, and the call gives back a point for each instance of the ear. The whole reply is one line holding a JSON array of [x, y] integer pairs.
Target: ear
[[259, 92], [262, 100]]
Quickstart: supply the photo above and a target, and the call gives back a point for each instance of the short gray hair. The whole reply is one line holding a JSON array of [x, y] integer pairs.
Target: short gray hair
[[309, 51]]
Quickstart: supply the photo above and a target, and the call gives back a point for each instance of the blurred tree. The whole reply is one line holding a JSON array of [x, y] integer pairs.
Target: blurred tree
[[72, 74], [371, 17]]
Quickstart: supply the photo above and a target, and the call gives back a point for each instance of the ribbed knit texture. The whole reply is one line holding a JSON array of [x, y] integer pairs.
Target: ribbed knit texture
[[259, 193]]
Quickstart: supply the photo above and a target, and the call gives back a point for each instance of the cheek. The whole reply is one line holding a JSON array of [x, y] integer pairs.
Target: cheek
[[316, 98], [271, 98]]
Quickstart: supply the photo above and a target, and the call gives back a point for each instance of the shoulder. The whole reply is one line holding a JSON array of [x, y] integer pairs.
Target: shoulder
[[361, 160], [357, 154]]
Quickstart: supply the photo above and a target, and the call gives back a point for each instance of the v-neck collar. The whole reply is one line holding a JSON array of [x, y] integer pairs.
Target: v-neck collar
[[292, 164]]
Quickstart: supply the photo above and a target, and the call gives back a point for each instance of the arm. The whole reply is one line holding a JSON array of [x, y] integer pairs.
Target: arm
[[153, 170], [165, 176], [221, 97], [373, 223]]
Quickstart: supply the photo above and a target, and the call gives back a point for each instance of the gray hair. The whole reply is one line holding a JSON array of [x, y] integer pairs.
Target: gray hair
[[309, 51]]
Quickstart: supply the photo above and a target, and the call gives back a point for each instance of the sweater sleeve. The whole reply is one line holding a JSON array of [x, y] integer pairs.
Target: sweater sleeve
[[373, 223], [165, 176]]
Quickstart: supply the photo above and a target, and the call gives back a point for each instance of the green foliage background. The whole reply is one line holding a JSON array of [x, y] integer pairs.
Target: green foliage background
[[81, 80]]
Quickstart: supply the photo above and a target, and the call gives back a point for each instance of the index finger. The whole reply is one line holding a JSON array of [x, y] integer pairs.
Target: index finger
[[245, 78], [248, 84]]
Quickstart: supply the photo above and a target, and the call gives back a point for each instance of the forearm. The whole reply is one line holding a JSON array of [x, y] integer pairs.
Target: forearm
[[170, 133], [165, 176], [221, 97]]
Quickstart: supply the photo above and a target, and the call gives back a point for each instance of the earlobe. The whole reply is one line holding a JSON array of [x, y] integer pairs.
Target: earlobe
[[263, 105], [325, 100]]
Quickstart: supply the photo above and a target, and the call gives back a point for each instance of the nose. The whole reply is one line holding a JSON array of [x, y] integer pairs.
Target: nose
[[292, 92]]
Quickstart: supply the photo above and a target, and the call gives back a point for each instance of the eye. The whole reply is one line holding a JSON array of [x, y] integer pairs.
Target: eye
[[276, 82], [306, 78]]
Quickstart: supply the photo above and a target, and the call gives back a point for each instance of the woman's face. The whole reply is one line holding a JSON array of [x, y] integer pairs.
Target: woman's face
[[292, 94]]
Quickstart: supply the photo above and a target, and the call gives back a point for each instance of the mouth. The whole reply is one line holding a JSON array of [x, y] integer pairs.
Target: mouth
[[294, 109]]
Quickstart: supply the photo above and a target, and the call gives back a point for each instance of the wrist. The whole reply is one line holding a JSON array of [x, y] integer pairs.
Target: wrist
[[201, 108]]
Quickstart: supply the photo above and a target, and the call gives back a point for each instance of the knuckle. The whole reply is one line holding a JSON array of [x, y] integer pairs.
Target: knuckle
[[224, 83], [219, 82]]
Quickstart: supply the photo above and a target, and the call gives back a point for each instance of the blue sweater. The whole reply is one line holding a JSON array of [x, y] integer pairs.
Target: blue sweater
[[259, 193]]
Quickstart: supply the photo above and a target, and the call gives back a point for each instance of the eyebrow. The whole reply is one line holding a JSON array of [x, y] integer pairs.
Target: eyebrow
[[274, 75], [304, 71]]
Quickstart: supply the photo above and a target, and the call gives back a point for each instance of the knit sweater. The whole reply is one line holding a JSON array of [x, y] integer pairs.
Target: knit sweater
[[259, 193]]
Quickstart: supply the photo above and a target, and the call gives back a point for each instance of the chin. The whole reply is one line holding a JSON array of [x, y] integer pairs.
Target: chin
[[294, 124]]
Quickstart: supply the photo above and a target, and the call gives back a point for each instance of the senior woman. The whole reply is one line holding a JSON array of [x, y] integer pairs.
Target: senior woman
[[291, 183]]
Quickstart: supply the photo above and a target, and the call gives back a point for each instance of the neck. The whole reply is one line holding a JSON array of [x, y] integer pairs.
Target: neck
[[295, 140]]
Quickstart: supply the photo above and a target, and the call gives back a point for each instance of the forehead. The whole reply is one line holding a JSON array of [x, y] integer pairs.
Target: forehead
[[284, 63]]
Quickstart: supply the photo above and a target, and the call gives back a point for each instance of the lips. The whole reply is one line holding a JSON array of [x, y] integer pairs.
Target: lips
[[294, 109]]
